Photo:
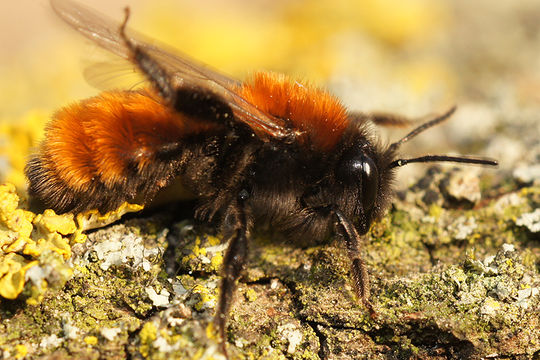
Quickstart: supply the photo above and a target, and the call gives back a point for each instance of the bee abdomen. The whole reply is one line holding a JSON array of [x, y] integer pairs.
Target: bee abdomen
[[106, 150], [52, 190]]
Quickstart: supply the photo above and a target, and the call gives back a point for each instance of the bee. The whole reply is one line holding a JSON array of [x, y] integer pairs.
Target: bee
[[268, 151]]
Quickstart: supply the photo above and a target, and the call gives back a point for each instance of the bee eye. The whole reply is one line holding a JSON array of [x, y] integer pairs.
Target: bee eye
[[370, 182], [360, 170]]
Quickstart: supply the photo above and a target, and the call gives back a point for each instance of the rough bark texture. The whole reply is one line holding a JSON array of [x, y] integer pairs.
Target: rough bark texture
[[453, 275], [447, 283]]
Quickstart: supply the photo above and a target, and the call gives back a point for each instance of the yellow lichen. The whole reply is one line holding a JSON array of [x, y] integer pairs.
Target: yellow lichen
[[251, 295], [211, 331], [208, 299], [17, 138], [435, 211], [15, 229], [12, 218], [216, 262], [78, 237], [147, 335], [36, 293], [213, 240], [91, 340], [53, 241], [50, 222], [28, 240], [197, 249], [12, 270], [21, 351], [93, 219]]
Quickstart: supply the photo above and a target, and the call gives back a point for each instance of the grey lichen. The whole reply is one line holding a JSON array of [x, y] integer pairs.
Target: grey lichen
[[445, 282]]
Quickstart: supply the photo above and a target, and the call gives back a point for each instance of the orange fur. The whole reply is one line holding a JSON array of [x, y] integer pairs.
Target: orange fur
[[309, 109], [110, 143], [96, 139]]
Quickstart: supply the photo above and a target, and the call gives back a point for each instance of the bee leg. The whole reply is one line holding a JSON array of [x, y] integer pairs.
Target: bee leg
[[397, 120], [383, 119], [236, 229], [358, 266]]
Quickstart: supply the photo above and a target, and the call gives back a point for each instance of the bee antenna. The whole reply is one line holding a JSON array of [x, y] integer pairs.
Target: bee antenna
[[423, 127], [443, 158]]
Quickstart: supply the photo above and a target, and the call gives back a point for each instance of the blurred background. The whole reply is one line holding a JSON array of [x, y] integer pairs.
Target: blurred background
[[413, 57]]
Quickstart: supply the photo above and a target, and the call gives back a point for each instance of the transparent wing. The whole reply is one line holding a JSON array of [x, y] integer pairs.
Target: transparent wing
[[183, 70], [113, 74]]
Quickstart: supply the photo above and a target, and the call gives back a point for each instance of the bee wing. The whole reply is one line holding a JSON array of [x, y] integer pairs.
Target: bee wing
[[113, 74], [183, 70]]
